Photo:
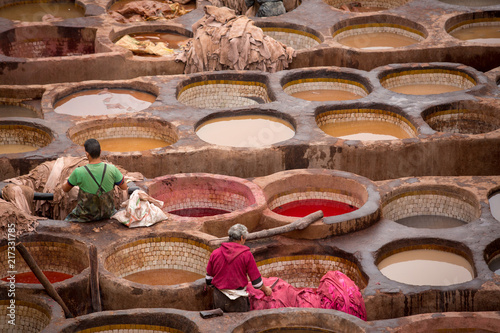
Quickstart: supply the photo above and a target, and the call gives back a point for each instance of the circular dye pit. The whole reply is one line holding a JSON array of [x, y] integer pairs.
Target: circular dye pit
[[480, 322], [297, 330], [481, 27], [17, 109], [468, 3], [159, 261], [492, 256], [130, 11], [365, 124], [72, 259], [494, 201], [47, 41], [297, 37], [30, 317], [426, 266], [306, 271], [125, 134], [98, 102], [341, 196], [325, 85], [20, 138], [218, 91], [494, 265], [427, 81], [250, 130], [432, 207], [363, 6], [462, 118], [35, 11], [388, 34]]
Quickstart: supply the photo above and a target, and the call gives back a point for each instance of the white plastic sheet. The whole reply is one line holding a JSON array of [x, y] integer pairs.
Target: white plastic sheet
[[141, 210]]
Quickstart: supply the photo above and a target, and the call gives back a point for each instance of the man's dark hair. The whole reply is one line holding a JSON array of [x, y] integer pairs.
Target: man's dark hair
[[93, 147]]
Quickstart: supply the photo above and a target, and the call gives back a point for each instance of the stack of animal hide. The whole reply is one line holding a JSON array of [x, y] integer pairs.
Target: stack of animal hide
[[224, 41], [138, 11]]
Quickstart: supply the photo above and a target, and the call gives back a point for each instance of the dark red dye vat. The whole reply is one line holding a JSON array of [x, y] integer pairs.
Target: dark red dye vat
[[29, 277], [198, 212], [303, 208]]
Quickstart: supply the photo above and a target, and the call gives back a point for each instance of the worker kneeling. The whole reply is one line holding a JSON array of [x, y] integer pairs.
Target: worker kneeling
[[227, 271]]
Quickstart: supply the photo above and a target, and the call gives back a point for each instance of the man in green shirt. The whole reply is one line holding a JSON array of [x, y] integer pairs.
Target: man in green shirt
[[96, 181]]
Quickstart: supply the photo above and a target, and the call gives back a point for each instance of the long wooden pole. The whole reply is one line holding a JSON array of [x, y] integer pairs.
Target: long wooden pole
[[94, 280], [42, 278], [299, 224]]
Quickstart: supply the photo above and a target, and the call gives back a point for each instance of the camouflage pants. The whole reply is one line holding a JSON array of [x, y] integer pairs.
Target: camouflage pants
[[92, 207]]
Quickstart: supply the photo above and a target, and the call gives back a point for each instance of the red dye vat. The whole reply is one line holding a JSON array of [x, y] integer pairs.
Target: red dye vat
[[301, 208], [29, 277], [198, 212]]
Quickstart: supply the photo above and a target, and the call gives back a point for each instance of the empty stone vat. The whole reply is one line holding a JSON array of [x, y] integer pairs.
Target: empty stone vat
[[353, 197], [216, 201], [378, 32], [21, 137], [296, 36], [47, 41], [301, 321], [462, 117], [125, 134], [253, 128], [326, 84], [426, 263], [492, 256], [365, 123], [429, 206], [165, 271], [69, 273], [479, 27], [215, 91], [129, 321], [306, 270], [426, 81], [37, 11], [28, 314], [366, 5]]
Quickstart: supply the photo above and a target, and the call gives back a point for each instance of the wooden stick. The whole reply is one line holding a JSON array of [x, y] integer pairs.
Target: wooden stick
[[42, 278], [299, 224], [94, 280]]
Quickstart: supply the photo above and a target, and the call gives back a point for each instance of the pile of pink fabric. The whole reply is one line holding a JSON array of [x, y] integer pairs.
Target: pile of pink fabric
[[335, 291]]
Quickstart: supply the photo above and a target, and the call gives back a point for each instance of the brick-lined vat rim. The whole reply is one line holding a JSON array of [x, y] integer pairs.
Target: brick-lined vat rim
[[243, 77], [425, 243], [463, 108], [341, 2], [19, 103], [434, 189], [341, 74], [478, 79], [382, 21], [75, 280], [366, 214], [181, 320], [42, 303], [259, 320], [33, 124], [473, 18], [60, 91], [218, 225], [293, 28], [492, 251]]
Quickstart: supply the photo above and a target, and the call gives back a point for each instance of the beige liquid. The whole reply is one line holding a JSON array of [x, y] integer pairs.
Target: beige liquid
[[131, 144], [495, 205], [425, 89], [365, 130], [377, 40], [12, 149], [122, 3], [427, 267], [487, 34], [245, 131], [34, 12], [158, 277], [326, 95], [98, 102], [173, 41], [16, 111]]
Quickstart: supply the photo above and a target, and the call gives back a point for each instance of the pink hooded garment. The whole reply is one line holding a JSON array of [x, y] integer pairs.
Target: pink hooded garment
[[229, 265], [335, 291]]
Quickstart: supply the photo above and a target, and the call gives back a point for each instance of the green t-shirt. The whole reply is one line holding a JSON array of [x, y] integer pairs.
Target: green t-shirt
[[80, 177]]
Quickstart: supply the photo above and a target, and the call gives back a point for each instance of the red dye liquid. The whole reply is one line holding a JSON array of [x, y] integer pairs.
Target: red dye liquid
[[303, 208], [198, 212], [29, 277]]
